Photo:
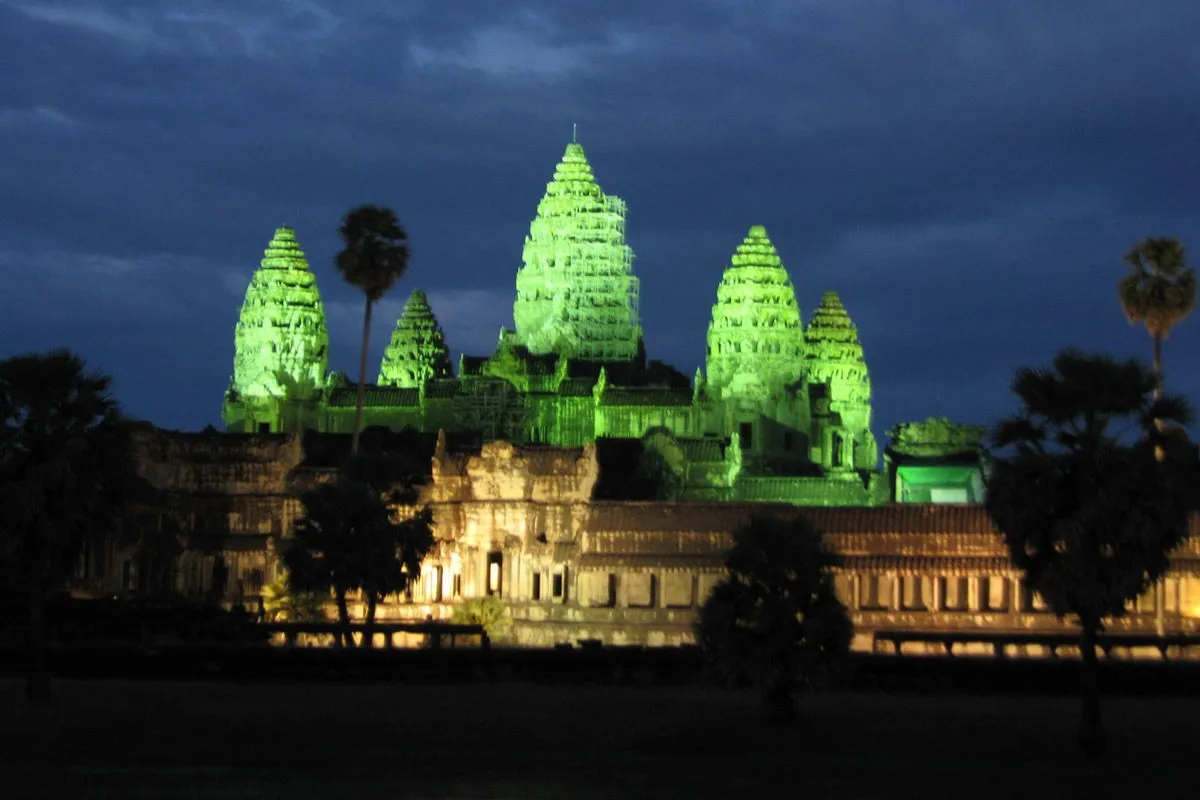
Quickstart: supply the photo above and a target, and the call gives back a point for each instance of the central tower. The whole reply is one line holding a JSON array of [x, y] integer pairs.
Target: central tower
[[576, 292]]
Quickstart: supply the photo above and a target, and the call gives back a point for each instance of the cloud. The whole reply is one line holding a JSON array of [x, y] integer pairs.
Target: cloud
[[966, 175], [40, 117], [195, 26], [527, 49], [94, 19]]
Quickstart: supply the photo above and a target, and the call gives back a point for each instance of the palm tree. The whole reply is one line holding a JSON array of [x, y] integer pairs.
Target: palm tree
[[775, 621], [1158, 292], [66, 471], [1088, 512], [374, 258]]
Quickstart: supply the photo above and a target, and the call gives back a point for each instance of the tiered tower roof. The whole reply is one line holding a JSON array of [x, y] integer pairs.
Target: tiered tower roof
[[281, 344], [417, 351], [835, 355], [755, 337], [576, 293]]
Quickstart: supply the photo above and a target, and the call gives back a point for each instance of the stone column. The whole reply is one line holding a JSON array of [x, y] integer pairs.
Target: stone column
[[935, 595], [1160, 610], [1179, 604]]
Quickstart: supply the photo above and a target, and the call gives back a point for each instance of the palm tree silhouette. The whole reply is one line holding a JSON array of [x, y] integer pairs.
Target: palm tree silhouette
[[374, 258]]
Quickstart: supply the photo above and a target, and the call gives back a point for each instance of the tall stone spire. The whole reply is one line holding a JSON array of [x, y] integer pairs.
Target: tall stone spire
[[834, 358], [755, 339], [576, 293], [281, 344], [417, 351]]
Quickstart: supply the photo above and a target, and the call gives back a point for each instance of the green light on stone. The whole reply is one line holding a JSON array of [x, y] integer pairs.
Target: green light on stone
[[799, 400], [834, 357], [281, 344], [755, 339], [417, 351], [576, 292]]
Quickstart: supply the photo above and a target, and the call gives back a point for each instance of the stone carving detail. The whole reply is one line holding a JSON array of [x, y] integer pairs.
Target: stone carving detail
[[281, 345], [576, 293], [755, 339], [936, 437], [835, 356], [494, 408], [834, 359], [417, 351], [574, 369]]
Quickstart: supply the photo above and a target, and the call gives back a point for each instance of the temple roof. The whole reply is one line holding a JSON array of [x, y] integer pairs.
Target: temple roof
[[417, 350], [834, 354], [443, 388], [576, 293], [755, 338], [648, 396], [576, 387], [375, 397], [701, 517], [281, 343]]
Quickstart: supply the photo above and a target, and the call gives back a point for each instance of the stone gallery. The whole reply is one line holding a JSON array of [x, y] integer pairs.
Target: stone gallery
[[593, 489]]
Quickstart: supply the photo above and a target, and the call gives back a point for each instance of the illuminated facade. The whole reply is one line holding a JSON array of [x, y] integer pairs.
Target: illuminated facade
[[281, 344], [576, 293], [783, 414], [592, 491], [417, 351], [531, 526]]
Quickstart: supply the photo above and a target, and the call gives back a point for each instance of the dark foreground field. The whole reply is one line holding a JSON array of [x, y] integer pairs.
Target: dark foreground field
[[510, 739]]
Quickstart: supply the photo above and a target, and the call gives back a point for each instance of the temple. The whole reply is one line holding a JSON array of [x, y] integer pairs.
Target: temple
[[781, 413], [590, 488]]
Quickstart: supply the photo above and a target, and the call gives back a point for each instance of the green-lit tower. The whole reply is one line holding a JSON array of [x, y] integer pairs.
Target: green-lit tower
[[576, 293], [755, 353], [755, 339], [841, 388], [417, 351], [281, 344]]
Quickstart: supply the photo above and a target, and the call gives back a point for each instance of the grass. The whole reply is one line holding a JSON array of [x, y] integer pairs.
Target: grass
[[125, 739]]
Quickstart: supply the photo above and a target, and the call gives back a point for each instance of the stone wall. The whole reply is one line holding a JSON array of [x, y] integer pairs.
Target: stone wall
[[520, 523]]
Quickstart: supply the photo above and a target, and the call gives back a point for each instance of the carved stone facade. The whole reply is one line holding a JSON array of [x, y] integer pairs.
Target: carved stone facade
[[574, 369], [523, 524], [417, 350]]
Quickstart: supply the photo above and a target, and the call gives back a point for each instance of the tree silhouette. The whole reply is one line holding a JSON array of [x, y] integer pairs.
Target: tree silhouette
[[373, 259], [1088, 513], [1159, 292], [66, 470], [348, 541], [775, 621]]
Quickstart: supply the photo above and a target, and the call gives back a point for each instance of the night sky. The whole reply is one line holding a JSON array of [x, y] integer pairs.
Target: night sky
[[966, 175]]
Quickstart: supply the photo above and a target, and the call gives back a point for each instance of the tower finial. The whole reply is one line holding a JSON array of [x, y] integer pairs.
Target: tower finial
[[574, 133]]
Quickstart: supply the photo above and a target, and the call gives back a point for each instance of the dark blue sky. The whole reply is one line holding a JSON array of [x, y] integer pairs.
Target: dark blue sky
[[966, 175]]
